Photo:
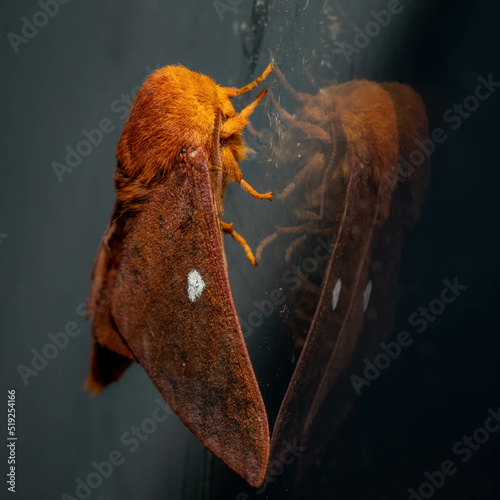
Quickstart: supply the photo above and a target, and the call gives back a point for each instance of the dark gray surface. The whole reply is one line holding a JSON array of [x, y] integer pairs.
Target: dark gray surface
[[63, 81], [66, 80]]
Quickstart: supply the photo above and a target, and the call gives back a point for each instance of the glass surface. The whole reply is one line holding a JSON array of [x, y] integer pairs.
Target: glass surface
[[409, 408]]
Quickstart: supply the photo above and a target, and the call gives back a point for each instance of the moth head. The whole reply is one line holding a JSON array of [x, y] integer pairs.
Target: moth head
[[230, 136], [175, 109]]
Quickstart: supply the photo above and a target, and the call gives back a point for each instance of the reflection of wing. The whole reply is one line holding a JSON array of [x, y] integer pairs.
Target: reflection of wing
[[415, 164], [333, 335], [357, 301], [172, 306]]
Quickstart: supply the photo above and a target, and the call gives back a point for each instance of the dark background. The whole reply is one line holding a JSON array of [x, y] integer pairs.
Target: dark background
[[66, 80]]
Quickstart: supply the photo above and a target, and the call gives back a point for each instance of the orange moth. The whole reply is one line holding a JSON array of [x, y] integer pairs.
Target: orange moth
[[353, 143], [160, 293]]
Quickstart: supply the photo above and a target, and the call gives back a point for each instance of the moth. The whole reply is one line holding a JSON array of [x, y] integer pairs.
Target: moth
[[354, 182], [160, 293]]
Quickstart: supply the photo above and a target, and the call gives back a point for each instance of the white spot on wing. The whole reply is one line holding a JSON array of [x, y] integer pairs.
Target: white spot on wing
[[195, 285], [335, 294], [366, 295]]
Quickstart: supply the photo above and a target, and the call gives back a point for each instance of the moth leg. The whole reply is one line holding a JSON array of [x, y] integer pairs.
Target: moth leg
[[251, 190], [233, 170], [253, 131], [307, 215], [263, 244], [298, 96], [237, 122], [233, 91], [303, 228], [312, 209], [313, 166], [312, 288], [308, 228], [311, 130], [307, 313], [293, 245], [311, 78], [228, 228]]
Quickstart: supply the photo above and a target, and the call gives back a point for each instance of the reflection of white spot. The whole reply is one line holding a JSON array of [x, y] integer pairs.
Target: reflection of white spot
[[366, 295], [336, 293], [195, 285]]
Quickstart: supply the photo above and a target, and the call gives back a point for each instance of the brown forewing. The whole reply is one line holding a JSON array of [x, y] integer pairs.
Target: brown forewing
[[190, 344]]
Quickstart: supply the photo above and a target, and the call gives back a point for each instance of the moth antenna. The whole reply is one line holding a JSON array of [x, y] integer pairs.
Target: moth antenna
[[228, 228], [233, 91]]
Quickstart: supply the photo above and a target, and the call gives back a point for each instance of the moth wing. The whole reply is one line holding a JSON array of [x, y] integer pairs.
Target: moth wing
[[365, 149], [110, 356], [363, 266], [362, 322], [338, 320], [172, 305], [100, 270], [336, 395], [413, 126]]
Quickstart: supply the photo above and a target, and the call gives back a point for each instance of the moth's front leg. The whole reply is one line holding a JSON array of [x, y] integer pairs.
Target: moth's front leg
[[233, 169], [233, 127], [228, 228]]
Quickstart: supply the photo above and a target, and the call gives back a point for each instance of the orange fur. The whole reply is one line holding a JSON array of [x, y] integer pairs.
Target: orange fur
[[365, 112], [176, 109]]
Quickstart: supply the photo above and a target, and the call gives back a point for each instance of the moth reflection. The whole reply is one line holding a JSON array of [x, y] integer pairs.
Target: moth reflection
[[346, 158]]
